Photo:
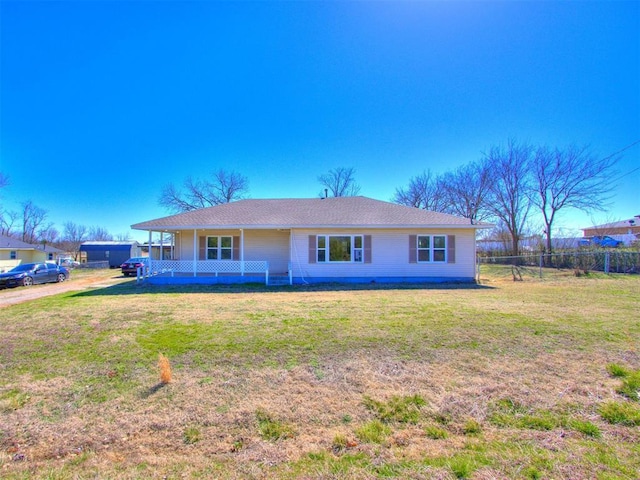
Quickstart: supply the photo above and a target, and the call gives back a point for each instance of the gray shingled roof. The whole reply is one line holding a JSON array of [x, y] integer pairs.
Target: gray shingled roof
[[334, 212], [15, 244]]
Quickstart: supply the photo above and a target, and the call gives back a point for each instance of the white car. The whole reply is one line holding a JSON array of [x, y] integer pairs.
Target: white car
[[68, 262]]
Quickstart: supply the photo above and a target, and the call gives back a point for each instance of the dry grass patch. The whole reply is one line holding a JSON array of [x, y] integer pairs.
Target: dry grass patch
[[507, 382]]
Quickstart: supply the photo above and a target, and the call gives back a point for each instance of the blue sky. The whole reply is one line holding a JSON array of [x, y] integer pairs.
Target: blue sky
[[103, 103]]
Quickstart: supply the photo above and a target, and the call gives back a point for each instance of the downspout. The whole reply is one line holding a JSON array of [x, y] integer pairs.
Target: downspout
[[290, 256], [475, 255]]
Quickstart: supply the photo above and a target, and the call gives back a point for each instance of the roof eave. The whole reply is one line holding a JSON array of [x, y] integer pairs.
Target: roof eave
[[157, 228]]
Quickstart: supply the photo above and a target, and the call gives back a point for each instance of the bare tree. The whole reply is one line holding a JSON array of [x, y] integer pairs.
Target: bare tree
[[223, 187], [466, 190], [508, 200], [33, 218], [7, 219], [72, 237], [569, 178], [99, 234], [123, 237], [424, 191], [48, 234], [7, 222], [339, 182]]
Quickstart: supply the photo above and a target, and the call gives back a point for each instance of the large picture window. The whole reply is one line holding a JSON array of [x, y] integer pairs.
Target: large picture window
[[432, 248], [219, 248], [340, 248]]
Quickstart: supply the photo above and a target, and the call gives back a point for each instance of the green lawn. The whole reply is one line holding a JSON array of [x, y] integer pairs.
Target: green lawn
[[528, 379]]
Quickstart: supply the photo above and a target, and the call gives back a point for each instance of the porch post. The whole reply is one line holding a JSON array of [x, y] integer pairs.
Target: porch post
[[195, 251], [161, 246], [150, 256], [242, 252]]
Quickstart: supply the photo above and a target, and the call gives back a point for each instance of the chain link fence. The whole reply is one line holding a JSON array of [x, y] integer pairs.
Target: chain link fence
[[557, 265]]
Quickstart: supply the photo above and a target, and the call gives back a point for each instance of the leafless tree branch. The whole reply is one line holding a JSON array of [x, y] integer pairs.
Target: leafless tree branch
[[340, 182]]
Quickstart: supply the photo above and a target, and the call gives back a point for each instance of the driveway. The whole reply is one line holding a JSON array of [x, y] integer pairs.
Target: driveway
[[83, 281]]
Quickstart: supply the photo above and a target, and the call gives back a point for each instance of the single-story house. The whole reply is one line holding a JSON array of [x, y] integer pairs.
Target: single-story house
[[13, 252], [626, 231], [160, 250], [115, 253], [623, 227], [317, 240]]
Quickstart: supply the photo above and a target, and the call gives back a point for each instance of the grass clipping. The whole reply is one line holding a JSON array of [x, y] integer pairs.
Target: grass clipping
[[165, 369]]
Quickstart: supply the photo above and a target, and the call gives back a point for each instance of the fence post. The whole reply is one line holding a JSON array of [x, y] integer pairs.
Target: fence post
[[540, 268], [607, 260]]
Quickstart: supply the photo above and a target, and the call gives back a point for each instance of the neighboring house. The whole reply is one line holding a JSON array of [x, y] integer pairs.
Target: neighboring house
[[623, 227], [626, 231], [116, 253], [159, 250], [14, 252], [343, 239]]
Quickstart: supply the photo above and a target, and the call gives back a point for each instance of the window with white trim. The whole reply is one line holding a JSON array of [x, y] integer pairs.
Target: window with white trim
[[432, 248], [13, 255], [219, 248], [340, 248]]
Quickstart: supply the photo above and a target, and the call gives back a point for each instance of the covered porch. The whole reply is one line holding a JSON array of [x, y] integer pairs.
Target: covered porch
[[229, 256]]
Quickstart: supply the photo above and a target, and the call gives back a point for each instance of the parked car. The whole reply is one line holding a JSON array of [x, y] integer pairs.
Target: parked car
[[130, 267], [29, 273], [604, 241], [68, 262]]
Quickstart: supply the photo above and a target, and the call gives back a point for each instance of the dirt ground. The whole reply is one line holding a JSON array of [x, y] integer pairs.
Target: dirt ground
[[77, 281]]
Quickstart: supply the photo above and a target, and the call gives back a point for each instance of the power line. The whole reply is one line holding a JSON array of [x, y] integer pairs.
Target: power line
[[618, 153], [626, 174]]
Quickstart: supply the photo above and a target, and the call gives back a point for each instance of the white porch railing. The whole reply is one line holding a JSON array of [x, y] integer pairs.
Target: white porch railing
[[209, 267]]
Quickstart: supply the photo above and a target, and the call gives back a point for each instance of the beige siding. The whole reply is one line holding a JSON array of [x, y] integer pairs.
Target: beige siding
[[390, 256], [269, 245], [24, 256]]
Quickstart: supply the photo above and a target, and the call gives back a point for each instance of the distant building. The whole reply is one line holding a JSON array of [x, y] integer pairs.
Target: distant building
[[626, 231], [116, 253], [14, 251], [493, 246], [159, 251]]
